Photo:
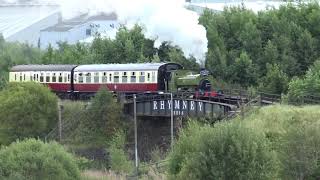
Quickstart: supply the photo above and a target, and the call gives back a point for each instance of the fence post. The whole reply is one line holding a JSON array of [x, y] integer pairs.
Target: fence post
[[60, 120]]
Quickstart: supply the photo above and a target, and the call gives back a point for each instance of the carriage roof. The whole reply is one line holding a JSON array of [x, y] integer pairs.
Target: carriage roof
[[120, 67], [55, 67]]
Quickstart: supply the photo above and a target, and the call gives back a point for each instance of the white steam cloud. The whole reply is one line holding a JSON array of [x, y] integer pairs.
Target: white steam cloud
[[164, 20]]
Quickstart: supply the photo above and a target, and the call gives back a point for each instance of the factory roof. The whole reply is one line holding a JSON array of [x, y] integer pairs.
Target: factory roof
[[66, 25], [16, 17]]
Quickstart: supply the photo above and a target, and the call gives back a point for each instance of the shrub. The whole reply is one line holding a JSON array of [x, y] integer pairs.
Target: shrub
[[27, 110], [295, 136], [102, 119], [120, 162], [33, 159], [227, 151], [307, 85]]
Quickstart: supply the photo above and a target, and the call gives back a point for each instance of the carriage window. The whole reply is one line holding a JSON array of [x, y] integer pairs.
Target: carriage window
[[80, 78], [54, 78], [153, 76], [124, 77], [37, 77], [24, 77], [60, 77], [141, 77], [47, 77], [34, 77], [65, 77], [148, 77], [88, 77], [41, 77], [68, 77], [116, 79], [104, 77], [133, 77], [15, 77], [96, 77], [110, 77]]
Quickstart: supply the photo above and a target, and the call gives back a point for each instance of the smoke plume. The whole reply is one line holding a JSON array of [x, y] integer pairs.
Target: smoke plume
[[164, 20]]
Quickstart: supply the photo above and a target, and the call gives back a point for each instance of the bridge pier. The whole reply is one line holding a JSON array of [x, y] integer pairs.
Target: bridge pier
[[154, 133]]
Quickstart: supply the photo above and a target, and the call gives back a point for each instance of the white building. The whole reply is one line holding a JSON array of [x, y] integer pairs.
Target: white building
[[218, 5], [23, 22], [78, 30]]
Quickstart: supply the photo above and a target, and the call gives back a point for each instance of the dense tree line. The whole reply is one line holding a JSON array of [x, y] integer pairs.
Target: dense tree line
[[262, 49]]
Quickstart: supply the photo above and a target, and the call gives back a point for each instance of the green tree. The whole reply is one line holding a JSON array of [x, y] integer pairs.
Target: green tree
[[216, 63], [48, 56], [103, 119], [270, 56], [250, 39], [163, 51], [275, 81], [176, 55], [103, 50], [306, 54], [33, 159], [243, 71], [27, 110]]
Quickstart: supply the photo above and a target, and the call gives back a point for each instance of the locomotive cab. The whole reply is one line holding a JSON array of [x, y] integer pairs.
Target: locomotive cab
[[166, 76]]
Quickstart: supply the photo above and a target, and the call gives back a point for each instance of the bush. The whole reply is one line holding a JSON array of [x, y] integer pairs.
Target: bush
[[295, 136], [27, 110], [227, 151], [101, 121], [120, 162], [308, 85], [33, 159]]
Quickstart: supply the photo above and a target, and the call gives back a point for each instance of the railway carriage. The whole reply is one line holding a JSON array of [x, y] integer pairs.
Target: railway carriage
[[123, 77], [56, 77]]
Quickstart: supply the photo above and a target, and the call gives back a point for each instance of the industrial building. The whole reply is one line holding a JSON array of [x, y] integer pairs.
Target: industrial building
[[78, 29]]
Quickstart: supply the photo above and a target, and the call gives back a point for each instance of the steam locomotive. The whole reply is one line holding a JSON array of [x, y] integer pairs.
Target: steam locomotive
[[85, 80]]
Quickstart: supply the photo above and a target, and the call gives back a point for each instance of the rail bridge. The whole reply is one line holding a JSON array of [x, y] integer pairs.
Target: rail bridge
[[160, 106]]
